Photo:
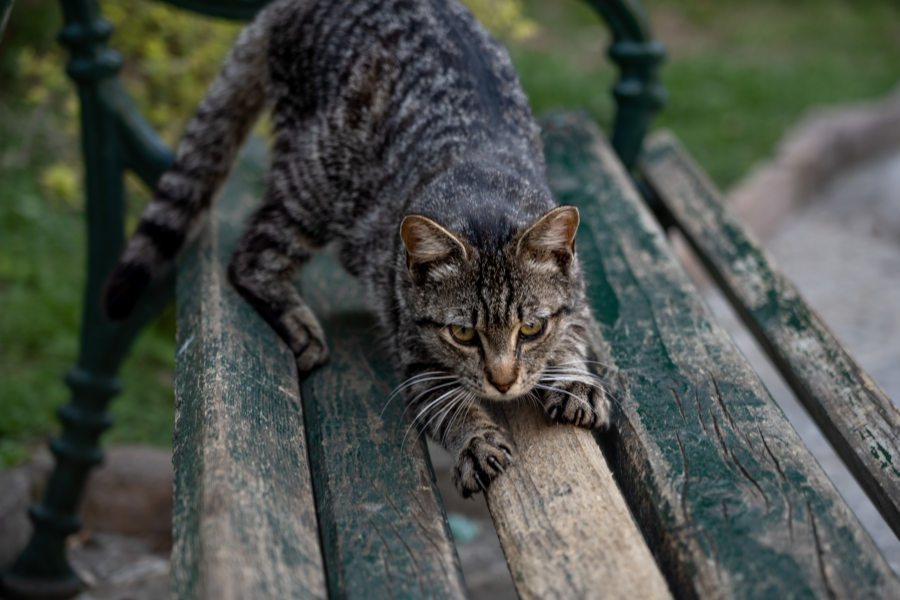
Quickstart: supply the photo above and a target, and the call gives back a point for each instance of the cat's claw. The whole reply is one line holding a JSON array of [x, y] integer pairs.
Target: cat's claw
[[484, 457], [578, 403], [498, 466]]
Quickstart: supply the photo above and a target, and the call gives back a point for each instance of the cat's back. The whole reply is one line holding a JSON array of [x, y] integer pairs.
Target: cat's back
[[385, 107], [387, 67]]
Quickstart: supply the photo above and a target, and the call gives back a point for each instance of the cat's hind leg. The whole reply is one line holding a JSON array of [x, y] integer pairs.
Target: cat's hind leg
[[262, 269]]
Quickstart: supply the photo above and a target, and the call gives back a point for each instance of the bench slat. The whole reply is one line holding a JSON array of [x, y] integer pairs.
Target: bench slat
[[855, 414], [384, 530], [563, 524], [730, 500], [244, 514]]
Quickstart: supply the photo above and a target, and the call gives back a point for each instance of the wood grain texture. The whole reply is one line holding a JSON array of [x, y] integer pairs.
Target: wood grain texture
[[731, 502], [384, 530], [855, 414], [563, 524], [244, 514]]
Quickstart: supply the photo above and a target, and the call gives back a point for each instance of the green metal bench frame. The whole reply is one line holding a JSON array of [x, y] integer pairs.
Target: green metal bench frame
[[115, 138]]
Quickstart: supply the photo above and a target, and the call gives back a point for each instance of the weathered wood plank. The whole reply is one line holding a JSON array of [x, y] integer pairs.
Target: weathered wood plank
[[855, 414], [731, 501], [563, 523], [384, 530], [244, 518]]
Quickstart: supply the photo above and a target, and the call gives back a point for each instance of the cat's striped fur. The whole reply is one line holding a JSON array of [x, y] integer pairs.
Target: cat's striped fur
[[401, 134]]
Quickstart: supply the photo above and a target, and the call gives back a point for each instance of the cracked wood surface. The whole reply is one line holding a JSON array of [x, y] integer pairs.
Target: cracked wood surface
[[730, 500], [854, 413], [244, 514]]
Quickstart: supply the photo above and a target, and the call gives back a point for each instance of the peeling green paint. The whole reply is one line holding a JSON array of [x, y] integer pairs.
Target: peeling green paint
[[720, 476], [886, 459]]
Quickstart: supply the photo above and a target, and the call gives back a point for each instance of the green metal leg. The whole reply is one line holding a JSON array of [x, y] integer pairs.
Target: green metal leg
[[638, 92], [42, 570], [5, 9]]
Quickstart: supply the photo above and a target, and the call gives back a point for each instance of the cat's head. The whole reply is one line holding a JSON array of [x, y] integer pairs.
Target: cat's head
[[493, 315]]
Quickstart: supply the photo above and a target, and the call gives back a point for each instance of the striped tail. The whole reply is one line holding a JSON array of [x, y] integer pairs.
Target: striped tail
[[203, 159]]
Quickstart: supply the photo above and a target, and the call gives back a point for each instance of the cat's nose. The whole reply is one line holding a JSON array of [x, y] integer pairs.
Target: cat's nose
[[502, 381], [502, 387], [502, 375]]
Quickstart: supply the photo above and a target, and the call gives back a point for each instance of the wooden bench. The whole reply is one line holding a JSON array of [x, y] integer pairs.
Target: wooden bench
[[702, 489], [283, 492]]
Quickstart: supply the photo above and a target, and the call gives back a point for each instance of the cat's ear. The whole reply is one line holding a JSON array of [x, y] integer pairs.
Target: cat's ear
[[551, 239], [428, 245]]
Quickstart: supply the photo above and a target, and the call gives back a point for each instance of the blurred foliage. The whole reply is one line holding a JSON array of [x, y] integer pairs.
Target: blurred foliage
[[170, 57], [505, 18], [60, 182]]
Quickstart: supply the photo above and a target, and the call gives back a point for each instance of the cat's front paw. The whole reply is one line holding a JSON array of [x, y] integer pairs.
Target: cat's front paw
[[484, 456], [578, 403]]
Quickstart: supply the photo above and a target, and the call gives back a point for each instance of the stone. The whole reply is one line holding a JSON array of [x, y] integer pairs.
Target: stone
[[131, 493], [118, 567], [825, 144], [15, 528]]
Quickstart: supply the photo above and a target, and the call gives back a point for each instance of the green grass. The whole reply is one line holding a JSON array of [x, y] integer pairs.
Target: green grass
[[42, 258], [739, 73]]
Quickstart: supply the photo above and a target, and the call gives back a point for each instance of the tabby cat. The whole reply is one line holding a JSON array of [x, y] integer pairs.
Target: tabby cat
[[402, 136]]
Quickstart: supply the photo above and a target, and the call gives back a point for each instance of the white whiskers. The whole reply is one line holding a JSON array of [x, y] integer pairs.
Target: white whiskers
[[468, 399], [581, 363], [426, 377], [452, 397], [570, 373]]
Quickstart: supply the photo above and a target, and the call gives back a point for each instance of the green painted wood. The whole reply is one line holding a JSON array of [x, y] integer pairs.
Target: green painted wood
[[383, 527], [244, 513], [729, 499], [855, 414]]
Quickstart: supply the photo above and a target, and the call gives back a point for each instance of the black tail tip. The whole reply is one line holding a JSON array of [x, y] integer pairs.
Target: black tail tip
[[124, 288]]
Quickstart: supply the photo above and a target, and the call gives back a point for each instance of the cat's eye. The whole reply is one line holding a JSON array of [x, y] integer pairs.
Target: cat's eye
[[531, 329], [461, 334]]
